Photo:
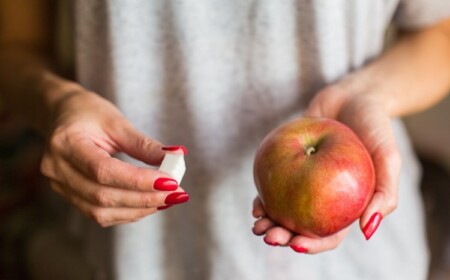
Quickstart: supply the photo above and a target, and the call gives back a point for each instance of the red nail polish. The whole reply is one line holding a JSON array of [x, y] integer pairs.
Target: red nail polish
[[299, 249], [270, 242], [165, 184], [175, 148], [164, 207], [372, 225], [176, 198]]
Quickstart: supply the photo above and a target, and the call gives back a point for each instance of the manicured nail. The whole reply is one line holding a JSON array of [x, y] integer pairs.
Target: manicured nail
[[165, 184], [164, 207], [372, 225], [176, 198], [175, 148], [270, 242], [299, 249]]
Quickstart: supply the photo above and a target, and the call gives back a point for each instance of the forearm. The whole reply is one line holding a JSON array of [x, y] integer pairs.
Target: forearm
[[29, 88], [411, 76]]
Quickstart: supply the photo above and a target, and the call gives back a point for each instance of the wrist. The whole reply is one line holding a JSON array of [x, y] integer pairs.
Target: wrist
[[364, 86], [352, 91], [53, 91], [57, 89]]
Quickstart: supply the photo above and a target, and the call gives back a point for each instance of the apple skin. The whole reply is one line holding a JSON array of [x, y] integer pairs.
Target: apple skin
[[315, 194]]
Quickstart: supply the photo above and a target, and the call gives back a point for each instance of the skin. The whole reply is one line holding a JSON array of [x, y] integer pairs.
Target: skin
[[366, 100], [83, 130], [113, 192]]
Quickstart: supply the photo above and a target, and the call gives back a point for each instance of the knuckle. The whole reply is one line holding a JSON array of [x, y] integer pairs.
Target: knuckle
[[103, 198], [392, 203], [145, 143], [58, 140], [100, 172], [135, 180], [55, 141], [137, 219], [146, 201], [46, 167], [99, 216], [334, 246]]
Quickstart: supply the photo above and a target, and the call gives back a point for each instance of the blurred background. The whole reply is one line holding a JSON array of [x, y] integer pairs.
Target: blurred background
[[29, 210]]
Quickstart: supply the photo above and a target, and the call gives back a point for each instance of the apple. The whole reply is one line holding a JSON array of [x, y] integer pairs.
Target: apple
[[314, 176]]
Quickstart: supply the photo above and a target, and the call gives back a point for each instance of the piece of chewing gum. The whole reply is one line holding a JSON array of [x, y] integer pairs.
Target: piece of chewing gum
[[174, 165]]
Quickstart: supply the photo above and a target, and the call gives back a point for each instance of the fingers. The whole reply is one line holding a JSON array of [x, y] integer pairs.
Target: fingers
[[303, 244], [109, 196], [110, 205], [100, 167], [87, 131], [387, 162], [262, 225], [378, 136], [258, 208], [104, 216], [138, 145], [275, 235], [89, 151], [278, 236], [326, 103]]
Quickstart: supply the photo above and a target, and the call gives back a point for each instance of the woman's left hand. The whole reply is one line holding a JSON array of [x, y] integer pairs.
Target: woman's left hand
[[366, 115]]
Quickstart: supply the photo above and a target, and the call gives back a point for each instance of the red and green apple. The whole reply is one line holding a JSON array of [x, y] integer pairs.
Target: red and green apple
[[314, 176]]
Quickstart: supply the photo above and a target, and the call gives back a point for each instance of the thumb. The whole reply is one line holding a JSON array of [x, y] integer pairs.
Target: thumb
[[326, 103], [385, 198], [137, 145]]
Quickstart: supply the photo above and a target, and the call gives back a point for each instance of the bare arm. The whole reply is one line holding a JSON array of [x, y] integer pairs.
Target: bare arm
[[411, 76], [28, 86], [82, 129], [419, 70]]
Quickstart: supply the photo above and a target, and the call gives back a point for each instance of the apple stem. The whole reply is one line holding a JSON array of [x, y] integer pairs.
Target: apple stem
[[310, 151]]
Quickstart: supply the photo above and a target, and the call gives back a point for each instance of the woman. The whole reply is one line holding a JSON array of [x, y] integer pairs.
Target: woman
[[216, 77]]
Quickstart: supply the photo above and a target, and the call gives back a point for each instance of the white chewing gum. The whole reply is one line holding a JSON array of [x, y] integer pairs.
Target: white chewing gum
[[174, 165]]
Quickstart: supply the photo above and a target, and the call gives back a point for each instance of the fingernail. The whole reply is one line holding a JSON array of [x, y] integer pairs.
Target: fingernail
[[372, 225], [270, 242], [255, 233], [299, 249], [175, 148], [164, 207], [165, 184], [176, 198]]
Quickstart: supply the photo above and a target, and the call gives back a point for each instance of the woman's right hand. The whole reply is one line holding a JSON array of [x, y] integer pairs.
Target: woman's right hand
[[86, 131]]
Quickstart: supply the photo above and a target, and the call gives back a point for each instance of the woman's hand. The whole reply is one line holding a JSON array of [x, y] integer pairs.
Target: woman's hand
[[366, 115], [87, 130]]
